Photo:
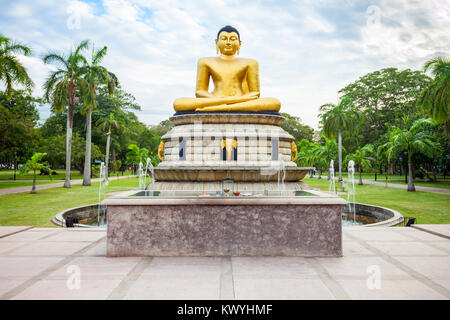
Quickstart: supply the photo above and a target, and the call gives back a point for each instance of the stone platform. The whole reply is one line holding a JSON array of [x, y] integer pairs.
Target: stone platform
[[246, 147], [224, 226], [410, 264]]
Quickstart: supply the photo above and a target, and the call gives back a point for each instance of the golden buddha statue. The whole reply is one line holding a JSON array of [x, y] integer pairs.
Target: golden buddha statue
[[236, 81]]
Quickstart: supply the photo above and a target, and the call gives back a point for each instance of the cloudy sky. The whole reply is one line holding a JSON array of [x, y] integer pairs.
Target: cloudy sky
[[307, 50]]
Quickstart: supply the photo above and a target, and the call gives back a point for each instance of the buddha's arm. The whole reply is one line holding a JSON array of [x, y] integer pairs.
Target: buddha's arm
[[203, 75], [253, 78]]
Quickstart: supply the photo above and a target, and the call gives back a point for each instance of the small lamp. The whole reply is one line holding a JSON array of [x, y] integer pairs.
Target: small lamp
[[227, 186]]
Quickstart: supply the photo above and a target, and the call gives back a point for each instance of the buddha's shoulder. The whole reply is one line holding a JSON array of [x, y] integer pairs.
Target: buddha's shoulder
[[206, 60], [213, 60]]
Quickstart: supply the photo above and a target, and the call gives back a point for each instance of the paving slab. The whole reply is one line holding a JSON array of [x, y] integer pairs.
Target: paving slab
[[31, 235], [434, 268], [360, 268], [352, 248], [179, 278], [406, 248], [89, 289], [409, 264], [277, 288], [439, 229], [75, 235], [47, 248], [9, 230], [96, 268], [398, 289], [98, 251]]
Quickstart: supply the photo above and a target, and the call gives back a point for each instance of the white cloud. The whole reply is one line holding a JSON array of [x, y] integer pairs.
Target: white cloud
[[307, 51]]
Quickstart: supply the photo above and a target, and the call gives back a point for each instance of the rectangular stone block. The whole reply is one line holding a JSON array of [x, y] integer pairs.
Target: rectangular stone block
[[196, 229]]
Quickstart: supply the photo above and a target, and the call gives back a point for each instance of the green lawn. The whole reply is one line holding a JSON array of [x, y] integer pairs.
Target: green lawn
[[61, 174], [37, 209], [15, 184], [428, 208], [438, 184], [400, 180]]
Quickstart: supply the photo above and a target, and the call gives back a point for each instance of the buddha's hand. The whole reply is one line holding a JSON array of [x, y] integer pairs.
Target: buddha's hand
[[237, 99]]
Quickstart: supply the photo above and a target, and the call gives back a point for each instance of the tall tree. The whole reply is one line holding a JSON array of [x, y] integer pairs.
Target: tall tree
[[435, 98], [338, 118], [109, 124], [326, 152], [294, 126], [381, 98], [61, 88], [11, 70], [416, 139], [18, 120], [94, 75]]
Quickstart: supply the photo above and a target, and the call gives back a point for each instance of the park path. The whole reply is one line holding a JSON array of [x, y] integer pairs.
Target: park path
[[399, 186], [51, 185]]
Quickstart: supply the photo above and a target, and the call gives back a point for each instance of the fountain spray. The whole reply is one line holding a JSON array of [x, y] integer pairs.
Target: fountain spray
[[351, 192]]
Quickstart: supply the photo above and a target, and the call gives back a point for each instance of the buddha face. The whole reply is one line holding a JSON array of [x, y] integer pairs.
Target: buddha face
[[228, 43]]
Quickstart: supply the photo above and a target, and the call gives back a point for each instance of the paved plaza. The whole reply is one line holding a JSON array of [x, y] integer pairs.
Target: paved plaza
[[378, 263]]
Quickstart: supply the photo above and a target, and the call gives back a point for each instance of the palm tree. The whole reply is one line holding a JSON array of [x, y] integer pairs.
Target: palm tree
[[33, 164], [327, 152], [94, 74], [413, 140], [11, 70], [136, 154], [435, 99], [60, 88], [362, 159], [305, 153], [109, 124], [383, 157], [338, 118]]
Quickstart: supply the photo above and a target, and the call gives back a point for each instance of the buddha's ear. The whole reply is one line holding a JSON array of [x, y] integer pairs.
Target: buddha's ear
[[217, 46], [240, 44]]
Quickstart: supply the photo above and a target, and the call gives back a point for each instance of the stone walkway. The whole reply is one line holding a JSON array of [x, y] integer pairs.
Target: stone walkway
[[51, 185], [378, 263], [397, 186]]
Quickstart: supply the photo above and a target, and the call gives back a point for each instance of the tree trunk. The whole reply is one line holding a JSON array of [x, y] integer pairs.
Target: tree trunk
[[33, 188], [360, 176], [108, 140], [113, 154], [68, 149], [391, 168], [410, 177], [329, 174], [340, 153], [87, 156], [320, 174]]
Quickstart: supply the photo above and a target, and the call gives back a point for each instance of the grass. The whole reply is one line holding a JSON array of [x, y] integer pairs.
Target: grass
[[61, 174], [428, 208], [37, 209], [438, 184], [15, 184], [399, 179]]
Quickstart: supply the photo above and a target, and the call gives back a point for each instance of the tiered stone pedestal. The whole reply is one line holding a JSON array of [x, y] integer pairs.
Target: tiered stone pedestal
[[203, 133]]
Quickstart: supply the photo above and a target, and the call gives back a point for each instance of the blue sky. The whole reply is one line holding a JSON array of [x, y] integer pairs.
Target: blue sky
[[307, 50]]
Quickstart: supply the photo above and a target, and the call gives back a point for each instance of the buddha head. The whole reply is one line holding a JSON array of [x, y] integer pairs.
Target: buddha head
[[228, 41]]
